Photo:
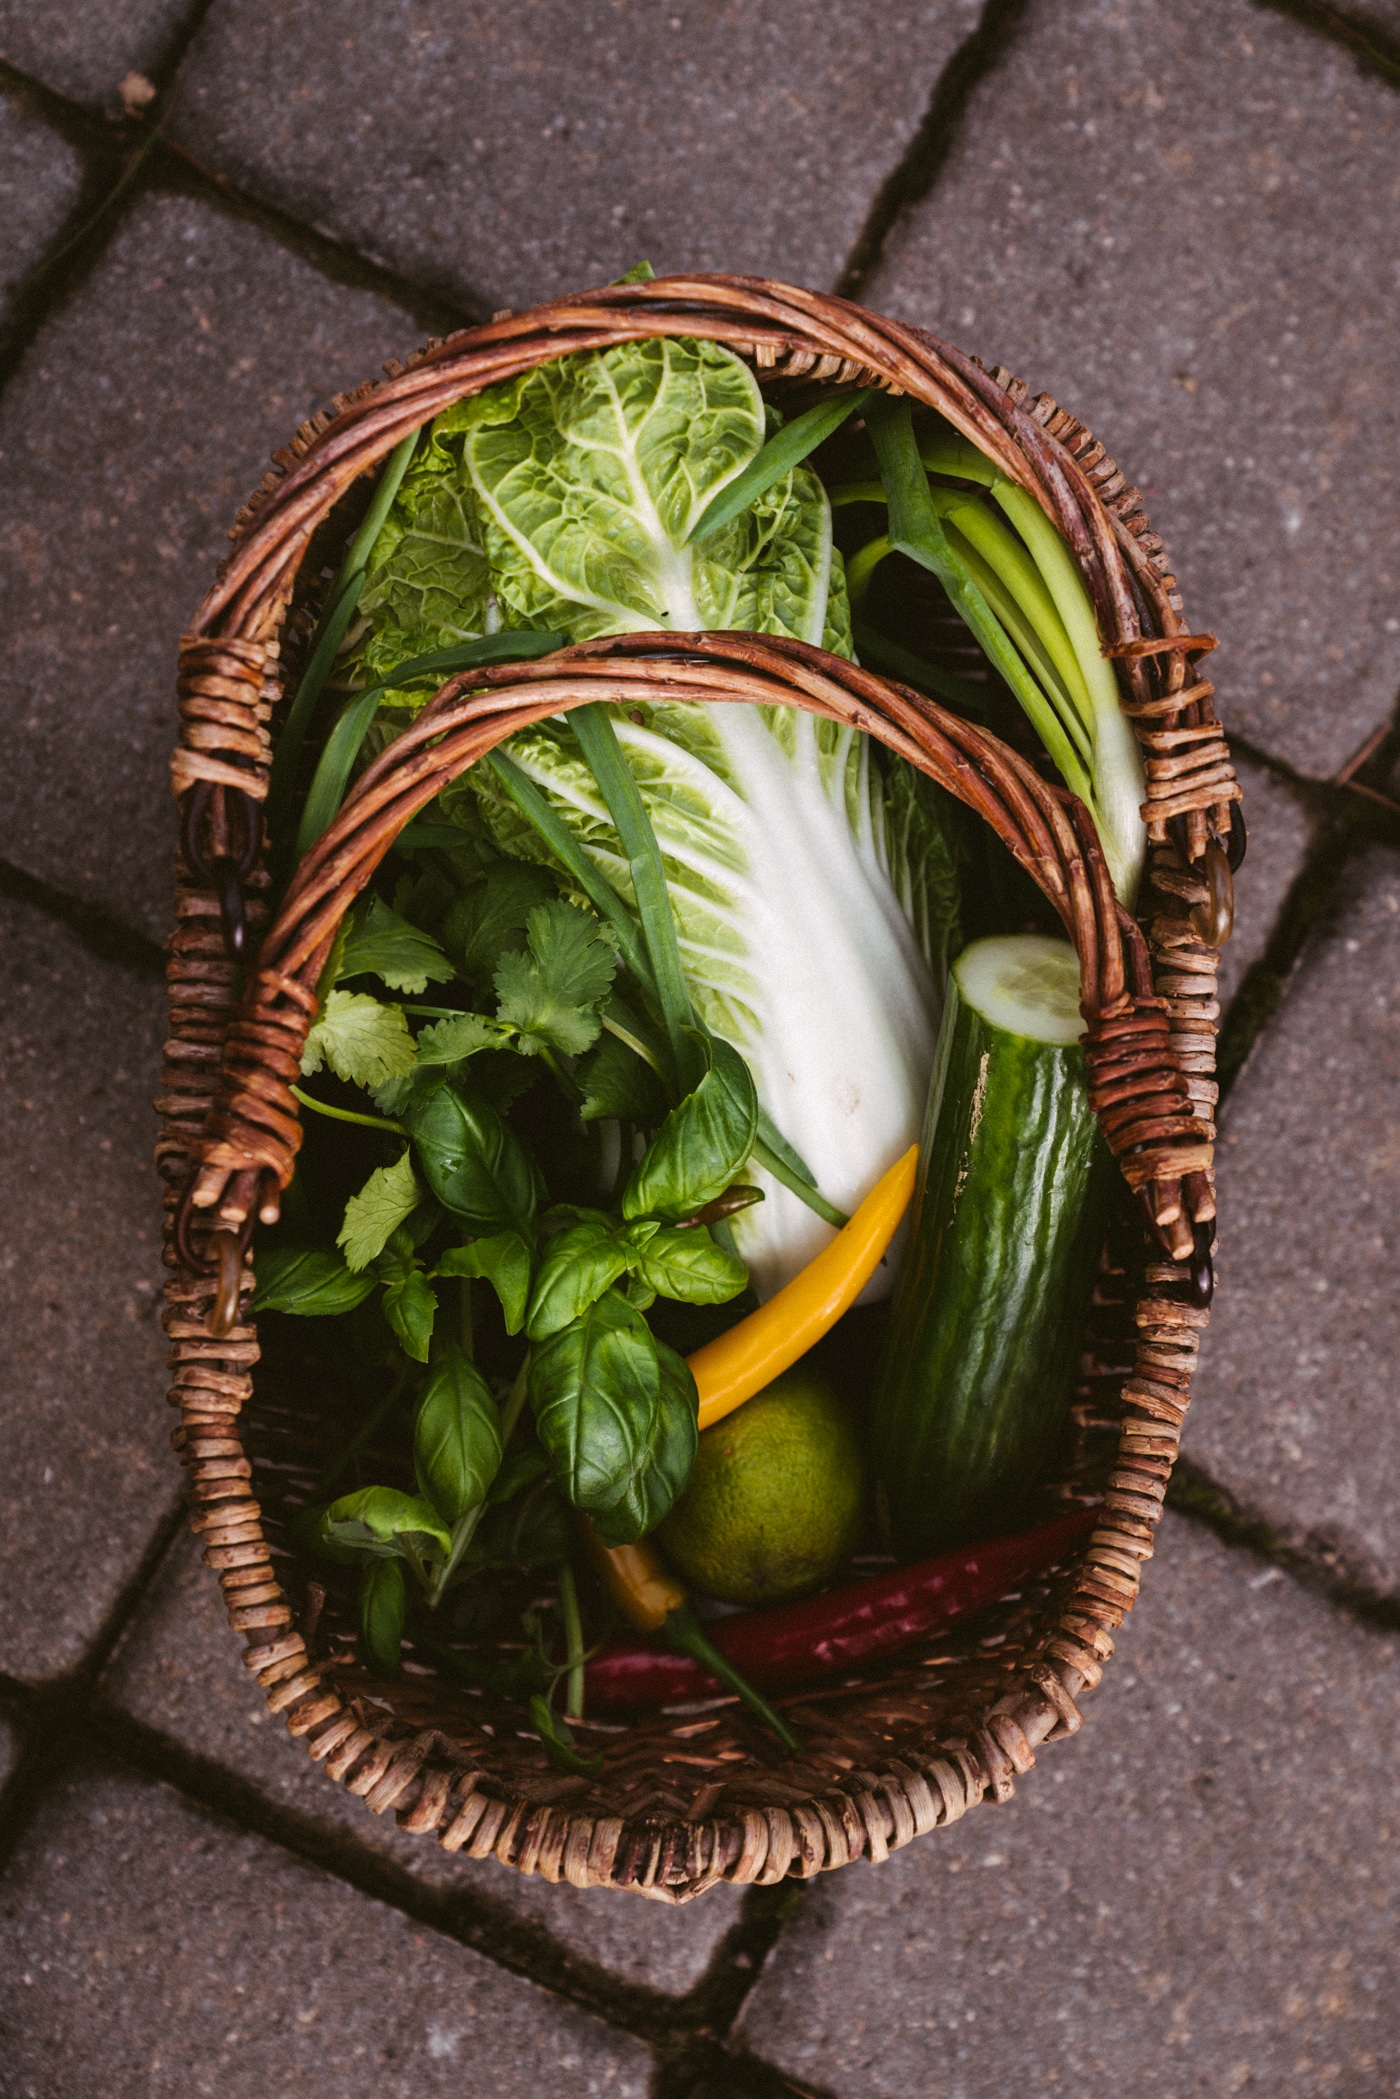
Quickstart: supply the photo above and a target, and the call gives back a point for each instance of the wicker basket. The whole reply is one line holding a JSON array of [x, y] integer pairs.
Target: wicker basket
[[685, 1800]]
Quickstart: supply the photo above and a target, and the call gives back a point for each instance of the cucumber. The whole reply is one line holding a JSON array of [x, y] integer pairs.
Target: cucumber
[[977, 1372]]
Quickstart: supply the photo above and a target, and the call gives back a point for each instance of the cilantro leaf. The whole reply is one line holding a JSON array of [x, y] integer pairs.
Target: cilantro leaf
[[382, 944], [389, 1196], [488, 920], [616, 1083], [361, 1039], [448, 1041], [550, 993]]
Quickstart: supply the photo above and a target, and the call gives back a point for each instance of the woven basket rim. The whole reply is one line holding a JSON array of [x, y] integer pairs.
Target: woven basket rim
[[230, 1123]]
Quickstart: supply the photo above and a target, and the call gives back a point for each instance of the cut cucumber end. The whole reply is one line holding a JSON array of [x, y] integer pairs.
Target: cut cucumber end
[[1024, 984]]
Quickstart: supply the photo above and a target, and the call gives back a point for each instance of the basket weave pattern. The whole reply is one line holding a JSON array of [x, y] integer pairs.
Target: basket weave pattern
[[684, 1801]]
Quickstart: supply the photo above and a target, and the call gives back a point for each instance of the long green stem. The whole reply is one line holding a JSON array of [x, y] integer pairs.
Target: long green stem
[[804, 1190], [897, 662], [1021, 579], [368, 1122], [1025, 637], [623, 801], [573, 1635], [784, 451], [682, 1631], [341, 600]]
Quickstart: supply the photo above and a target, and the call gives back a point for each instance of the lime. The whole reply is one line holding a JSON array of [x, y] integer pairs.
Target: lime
[[774, 1504]]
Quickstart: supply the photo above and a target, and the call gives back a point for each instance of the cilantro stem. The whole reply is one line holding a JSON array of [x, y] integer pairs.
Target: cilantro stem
[[369, 1122], [623, 801], [573, 1634]]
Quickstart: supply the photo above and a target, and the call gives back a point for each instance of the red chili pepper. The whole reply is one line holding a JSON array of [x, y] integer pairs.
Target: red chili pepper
[[838, 1630]]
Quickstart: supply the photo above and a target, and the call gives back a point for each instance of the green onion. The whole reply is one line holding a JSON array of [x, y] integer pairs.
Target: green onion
[[786, 449], [901, 663]]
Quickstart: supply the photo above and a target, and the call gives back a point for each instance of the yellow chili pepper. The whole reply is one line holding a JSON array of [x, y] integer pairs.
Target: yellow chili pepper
[[738, 1363], [636, 1578]]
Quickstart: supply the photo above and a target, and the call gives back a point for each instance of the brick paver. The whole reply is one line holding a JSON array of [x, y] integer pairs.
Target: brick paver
[[177, 1671], [40, 176], [83, 1443], [1197, 1896], [512, 153], [1180, 221], [1279, 834], [141, 418], [85, 48], [1295, 1407], [154, 1950]]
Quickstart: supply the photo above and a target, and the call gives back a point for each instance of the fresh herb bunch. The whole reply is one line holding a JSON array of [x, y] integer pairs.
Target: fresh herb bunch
[[574, 1026]]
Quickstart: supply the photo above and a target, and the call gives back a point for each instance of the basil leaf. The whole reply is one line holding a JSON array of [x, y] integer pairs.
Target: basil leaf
[[410, 1308], [687, 1264], [663, 1478], [578, 1266], [594, 1389], [383, 1607], [502, 1261], [308, 1280], [473, 1163], [521, 1468], [701, 1145], [618, 1084], [382, 1521], [457, 1437]]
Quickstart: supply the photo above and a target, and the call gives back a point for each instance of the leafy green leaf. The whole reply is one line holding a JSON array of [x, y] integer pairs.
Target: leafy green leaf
[[504, 1262], [388, 1198], [474, 1165], [488, 920], [595, 1388], [616, 1082], [361, 1039], [687, 1264], [521, 1468], [382, 944], [701, 1145], [662, 1479], [411, 1308], [457, 1436], [449, 1041], [550, 993], [383, 1521], [578, 1266], [383, 1607], [307, 1280]]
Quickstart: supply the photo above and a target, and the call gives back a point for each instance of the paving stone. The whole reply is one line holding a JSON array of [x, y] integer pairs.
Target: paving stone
[[1278, 842], [1295, 1412], [84, 1452], [85, 49], [177, 1671], [1198, 1896], [155, 1950], [40, 177], [510, 154], [1180, 222], [138, 423]]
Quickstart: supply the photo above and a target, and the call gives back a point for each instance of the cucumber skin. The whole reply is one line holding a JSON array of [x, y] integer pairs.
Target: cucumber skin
[[978, 1368]]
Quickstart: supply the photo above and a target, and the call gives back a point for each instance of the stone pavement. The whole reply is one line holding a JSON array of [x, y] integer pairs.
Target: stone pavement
[[1180, 220]]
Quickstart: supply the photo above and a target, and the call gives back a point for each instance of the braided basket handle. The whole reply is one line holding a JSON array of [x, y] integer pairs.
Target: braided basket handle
[[247, 1152]]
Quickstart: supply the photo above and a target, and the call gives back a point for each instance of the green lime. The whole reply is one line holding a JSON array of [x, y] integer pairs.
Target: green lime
[[774, 1504]]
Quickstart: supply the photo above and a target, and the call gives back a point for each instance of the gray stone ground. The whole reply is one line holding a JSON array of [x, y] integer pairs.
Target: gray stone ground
[[1183, 222]]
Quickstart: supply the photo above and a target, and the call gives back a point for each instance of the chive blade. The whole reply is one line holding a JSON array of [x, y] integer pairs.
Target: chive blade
[[772, 1162], [786, 449], [623, 801]]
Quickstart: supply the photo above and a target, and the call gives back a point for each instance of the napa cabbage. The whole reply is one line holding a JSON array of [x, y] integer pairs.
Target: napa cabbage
[[810, 878]]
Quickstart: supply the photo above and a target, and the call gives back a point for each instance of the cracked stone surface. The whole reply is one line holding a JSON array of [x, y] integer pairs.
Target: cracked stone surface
[[1154, 239], [83, 1436], [1279, 833], [40, 177], [85, 50], [138, 423], [1300, 1426], [177, 1672], [153, 1949], [1197, 1895], [552, 144]]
